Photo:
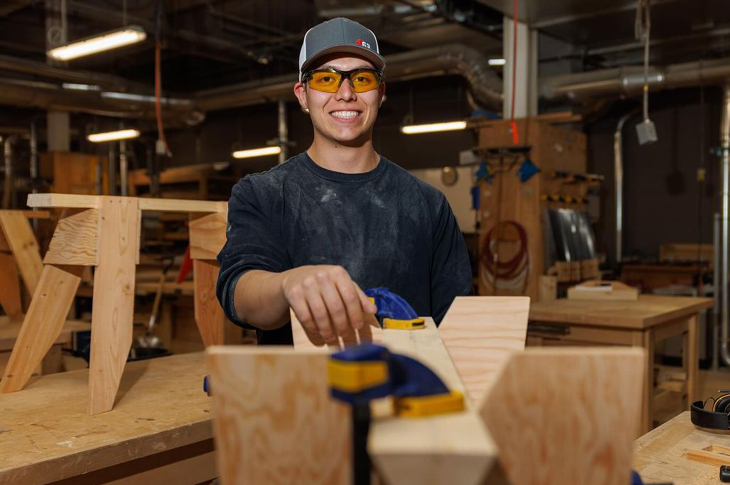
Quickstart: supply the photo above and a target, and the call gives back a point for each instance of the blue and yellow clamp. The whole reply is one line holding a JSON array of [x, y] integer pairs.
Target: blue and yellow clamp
[[366, 372], [393, 311]]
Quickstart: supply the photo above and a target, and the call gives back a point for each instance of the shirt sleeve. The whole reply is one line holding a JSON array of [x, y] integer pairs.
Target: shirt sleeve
[[253, 240], [450, 269]]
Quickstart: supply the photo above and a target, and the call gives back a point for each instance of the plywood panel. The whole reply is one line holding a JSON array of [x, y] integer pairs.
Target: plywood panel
[[274, 420], [76, 238], [111, 336], [480, 333], [566, 416]]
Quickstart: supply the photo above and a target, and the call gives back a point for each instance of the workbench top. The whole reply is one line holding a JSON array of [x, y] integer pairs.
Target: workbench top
[[658, 454], [647, 311], [46, 435]]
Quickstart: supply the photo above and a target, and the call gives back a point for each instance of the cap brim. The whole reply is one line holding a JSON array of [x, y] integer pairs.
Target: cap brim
[[377, 60]]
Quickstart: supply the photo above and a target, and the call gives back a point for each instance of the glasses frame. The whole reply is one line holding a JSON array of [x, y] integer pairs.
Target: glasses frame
[[307, 76]]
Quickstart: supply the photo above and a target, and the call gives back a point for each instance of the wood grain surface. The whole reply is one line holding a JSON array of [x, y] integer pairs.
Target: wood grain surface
[[563, 416], [207, 234], [76, 238], [47, 436], [480, 333], [648, 311], [24, 247], [274, 420], [10, 288], [208, 312], [452, 448], [111, 318], [42, 324]]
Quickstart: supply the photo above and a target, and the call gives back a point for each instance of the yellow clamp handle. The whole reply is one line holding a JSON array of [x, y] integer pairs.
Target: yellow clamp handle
[[419, 407], [414, 324], [356, 376]]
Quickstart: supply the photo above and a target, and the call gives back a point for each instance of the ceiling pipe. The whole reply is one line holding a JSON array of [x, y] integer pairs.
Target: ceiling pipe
[[452, 59], [629, 81]]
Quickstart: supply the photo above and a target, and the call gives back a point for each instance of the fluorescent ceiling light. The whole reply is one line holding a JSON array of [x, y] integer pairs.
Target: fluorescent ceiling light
[[81, 87], [433, 127], [497, 62], [112, 136], [257, 152], [130, 34]]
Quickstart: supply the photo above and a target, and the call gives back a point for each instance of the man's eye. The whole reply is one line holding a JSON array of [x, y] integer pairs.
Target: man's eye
[[326, 79]]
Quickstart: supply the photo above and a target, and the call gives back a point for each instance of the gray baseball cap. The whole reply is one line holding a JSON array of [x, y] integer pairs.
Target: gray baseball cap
[[339, 35]]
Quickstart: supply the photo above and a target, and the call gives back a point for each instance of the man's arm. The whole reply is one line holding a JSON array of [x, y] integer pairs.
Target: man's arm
[[324, 298]]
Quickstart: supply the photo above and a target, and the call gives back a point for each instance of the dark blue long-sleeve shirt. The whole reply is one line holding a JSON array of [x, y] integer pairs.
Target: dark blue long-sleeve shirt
[[385, 227]]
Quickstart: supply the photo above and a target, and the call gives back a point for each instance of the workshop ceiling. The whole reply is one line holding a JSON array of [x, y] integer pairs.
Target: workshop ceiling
[[211, 43]]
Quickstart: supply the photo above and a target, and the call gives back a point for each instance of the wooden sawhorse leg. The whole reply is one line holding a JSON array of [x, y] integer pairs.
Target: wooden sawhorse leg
[[43, 323], [207, 236], [113, 304], [10, 288], [691, 358]]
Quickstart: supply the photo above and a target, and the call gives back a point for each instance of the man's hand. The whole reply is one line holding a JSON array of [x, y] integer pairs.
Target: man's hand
[[326, 301]]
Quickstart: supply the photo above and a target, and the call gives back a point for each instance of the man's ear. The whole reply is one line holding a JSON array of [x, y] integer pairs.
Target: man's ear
[[381, 91], [300, 91]]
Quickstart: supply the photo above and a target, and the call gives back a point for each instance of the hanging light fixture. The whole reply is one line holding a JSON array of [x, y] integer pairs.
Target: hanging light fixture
[[130, 34], [433, 127], [113, 135], [257, 152]]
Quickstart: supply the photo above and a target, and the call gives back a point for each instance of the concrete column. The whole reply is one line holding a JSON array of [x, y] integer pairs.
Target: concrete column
[[59, 133], [526, 74]]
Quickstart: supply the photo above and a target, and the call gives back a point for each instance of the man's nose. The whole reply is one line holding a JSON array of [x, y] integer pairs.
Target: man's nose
[[346, 91]]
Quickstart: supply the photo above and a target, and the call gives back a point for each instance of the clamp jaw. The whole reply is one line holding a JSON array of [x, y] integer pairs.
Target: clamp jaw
[[366, 372], [394, 312]]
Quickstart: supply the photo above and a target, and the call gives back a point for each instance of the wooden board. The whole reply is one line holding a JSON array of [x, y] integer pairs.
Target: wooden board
[[111, 336], [450, 448], [566, 416], [207, 234], [274, 420], [42, 325], [24, 247], [370, 333], [76, 238], [648, 311], [609, 291], [208, 312], [480, 333], [94, 202], [47, 435], [10, 288]]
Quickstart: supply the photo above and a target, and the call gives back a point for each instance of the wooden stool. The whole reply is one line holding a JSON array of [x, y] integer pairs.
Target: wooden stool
[[103, 231]]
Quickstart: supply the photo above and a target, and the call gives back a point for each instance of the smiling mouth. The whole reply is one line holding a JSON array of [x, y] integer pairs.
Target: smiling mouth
[[345, 115]]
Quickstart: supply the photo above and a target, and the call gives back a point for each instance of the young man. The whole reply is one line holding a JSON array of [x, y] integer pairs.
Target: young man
[[312, 233]]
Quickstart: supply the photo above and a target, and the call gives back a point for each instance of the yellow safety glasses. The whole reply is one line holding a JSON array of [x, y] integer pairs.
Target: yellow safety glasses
[[329, 80]]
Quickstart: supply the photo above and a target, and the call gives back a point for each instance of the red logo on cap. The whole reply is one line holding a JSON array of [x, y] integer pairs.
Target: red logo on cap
[[358, 41], [362, 43]]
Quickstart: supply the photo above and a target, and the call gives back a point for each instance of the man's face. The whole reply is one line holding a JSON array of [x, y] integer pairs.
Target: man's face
[[345, 117]]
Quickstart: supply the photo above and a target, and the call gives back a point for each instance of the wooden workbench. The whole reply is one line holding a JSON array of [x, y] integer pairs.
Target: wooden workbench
[[640, 323], [158, 432], [658, 455]]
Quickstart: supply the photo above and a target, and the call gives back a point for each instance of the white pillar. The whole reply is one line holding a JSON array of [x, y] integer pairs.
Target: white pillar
[[526, 74]]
